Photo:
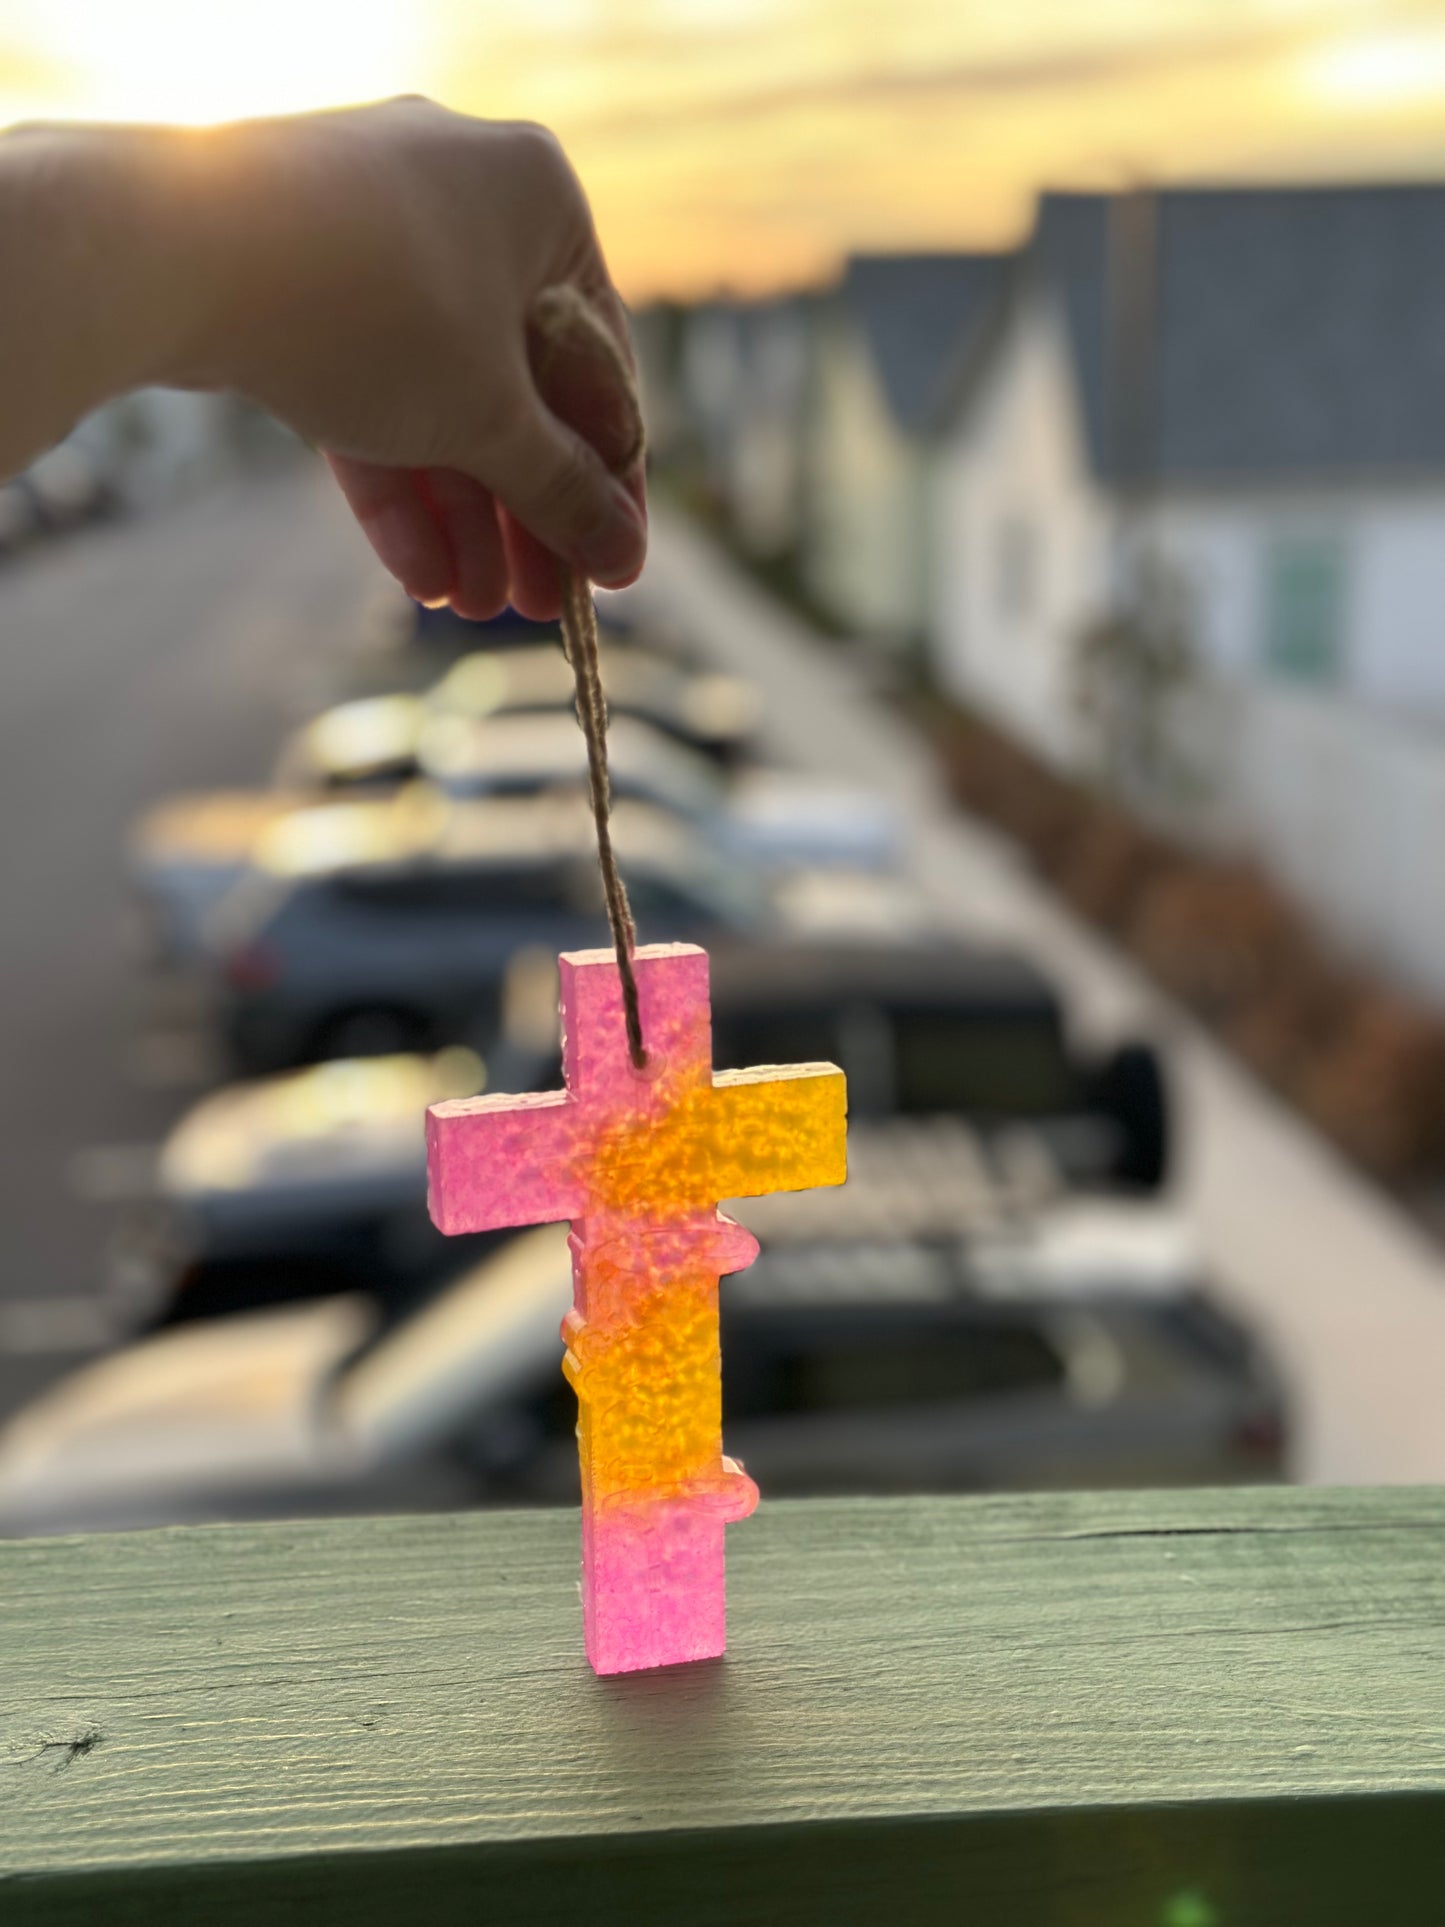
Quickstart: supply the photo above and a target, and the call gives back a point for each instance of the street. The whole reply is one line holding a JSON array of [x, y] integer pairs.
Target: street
[[141, 658], [172, 653]]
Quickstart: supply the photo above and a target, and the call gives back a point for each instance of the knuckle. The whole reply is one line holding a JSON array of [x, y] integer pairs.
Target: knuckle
[[543, 159]]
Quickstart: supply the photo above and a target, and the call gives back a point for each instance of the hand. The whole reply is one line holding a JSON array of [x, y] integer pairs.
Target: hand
[[377, 294]]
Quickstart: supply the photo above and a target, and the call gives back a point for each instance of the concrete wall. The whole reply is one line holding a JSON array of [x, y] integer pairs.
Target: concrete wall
[[1345, 805], [1339, 788]]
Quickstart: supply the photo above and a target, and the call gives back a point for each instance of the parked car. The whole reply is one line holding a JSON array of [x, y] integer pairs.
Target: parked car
[[300, 1185], [884, 1367], [375, 739], [70, 488], [61, 491], [20, 520], [947, 1028], [759, 816], [392, 930], [960, 1075], [188, 853]]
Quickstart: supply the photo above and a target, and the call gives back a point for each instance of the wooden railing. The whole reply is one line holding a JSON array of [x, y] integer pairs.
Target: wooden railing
[[1207, 1709]]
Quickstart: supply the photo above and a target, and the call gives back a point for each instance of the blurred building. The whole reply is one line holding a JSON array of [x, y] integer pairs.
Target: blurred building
[[157, 444], [733, 381], [894, 349], [1215, 420]]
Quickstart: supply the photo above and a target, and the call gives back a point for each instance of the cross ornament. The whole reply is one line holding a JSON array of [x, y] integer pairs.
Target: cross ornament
[[637, 1161]]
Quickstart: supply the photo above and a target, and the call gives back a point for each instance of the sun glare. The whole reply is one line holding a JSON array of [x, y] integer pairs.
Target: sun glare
[[1380, 70], [181, 60]]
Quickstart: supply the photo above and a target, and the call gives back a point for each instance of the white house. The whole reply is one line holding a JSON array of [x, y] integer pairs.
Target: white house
[[898, 335], [1247, 388]]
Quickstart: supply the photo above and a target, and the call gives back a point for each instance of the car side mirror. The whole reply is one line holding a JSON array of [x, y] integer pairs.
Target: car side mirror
[[1128, 1088]]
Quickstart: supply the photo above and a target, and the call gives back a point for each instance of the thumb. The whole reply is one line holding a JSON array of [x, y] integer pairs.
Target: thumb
[[560, 490]]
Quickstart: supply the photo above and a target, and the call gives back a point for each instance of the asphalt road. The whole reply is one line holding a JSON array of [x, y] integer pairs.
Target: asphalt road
[[135, 659]]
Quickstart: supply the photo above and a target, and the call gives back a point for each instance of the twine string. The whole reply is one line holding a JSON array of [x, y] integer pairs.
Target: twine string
[[560, 316]]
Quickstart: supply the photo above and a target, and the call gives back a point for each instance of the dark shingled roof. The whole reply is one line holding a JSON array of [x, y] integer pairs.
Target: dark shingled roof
[[922, 317], [1254, 334], [1069, 255]]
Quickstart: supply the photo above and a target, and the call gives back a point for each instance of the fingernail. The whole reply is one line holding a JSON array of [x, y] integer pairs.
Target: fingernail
[[415, 550], [619, 546]]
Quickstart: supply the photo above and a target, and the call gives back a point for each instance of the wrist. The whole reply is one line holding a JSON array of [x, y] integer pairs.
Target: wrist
[[104, 292]]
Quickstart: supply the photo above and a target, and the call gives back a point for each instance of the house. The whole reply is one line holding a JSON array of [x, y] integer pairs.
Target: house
[[156, 445], [741, 382], [657, 332], [1238, 394], [898, 335]]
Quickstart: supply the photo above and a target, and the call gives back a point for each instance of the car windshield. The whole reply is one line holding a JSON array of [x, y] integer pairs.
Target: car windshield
[[865, 1363], [726, 893], [1011, 1063], [915, 1062]]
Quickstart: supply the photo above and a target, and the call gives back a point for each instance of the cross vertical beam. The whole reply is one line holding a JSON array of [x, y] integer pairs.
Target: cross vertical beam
[[637, 1161]]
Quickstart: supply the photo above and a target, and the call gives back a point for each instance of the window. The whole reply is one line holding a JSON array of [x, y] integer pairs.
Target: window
[[1000, 1064], [873, 1366], [774, 1037], [661, 909], [445, 891], [1304, 609]]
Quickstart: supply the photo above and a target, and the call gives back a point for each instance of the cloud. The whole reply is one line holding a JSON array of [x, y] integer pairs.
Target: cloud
[[1069, 69]]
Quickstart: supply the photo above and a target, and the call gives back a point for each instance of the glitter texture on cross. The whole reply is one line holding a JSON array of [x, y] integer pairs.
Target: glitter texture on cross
[[637, 1161]]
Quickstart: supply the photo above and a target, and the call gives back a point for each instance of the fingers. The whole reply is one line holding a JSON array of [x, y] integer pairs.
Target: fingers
[[434, 529], [581, 360], [407, 537], [468, 517], [533, 567], [534, 571], [557, 487]]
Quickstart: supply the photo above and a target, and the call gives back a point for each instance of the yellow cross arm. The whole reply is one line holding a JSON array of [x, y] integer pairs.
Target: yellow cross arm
[[778, 1128]]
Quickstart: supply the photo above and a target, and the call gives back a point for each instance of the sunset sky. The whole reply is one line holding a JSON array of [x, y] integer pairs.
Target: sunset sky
[[749, 143]]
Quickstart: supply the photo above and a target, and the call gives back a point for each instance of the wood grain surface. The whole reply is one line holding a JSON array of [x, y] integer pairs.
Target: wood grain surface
[[1196, 1709]]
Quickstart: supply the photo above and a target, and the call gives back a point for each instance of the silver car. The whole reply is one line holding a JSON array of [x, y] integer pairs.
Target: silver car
[[375, 739], [400, 938], [313, 1180], [766, 817], [1078, 1348]]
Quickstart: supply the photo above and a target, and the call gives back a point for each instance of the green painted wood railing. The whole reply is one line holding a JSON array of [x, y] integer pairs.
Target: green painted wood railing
[[1209, 1709]]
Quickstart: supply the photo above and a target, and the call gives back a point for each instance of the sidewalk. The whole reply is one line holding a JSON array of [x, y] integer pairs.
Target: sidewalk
[[1351, 1293]]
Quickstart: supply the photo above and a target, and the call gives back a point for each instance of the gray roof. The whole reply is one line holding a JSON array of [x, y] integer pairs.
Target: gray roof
[[1069, 256], [922, 317], [1265, 334]]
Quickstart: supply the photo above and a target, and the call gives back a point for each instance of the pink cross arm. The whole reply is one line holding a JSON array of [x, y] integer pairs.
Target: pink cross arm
[[493, 1162]]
